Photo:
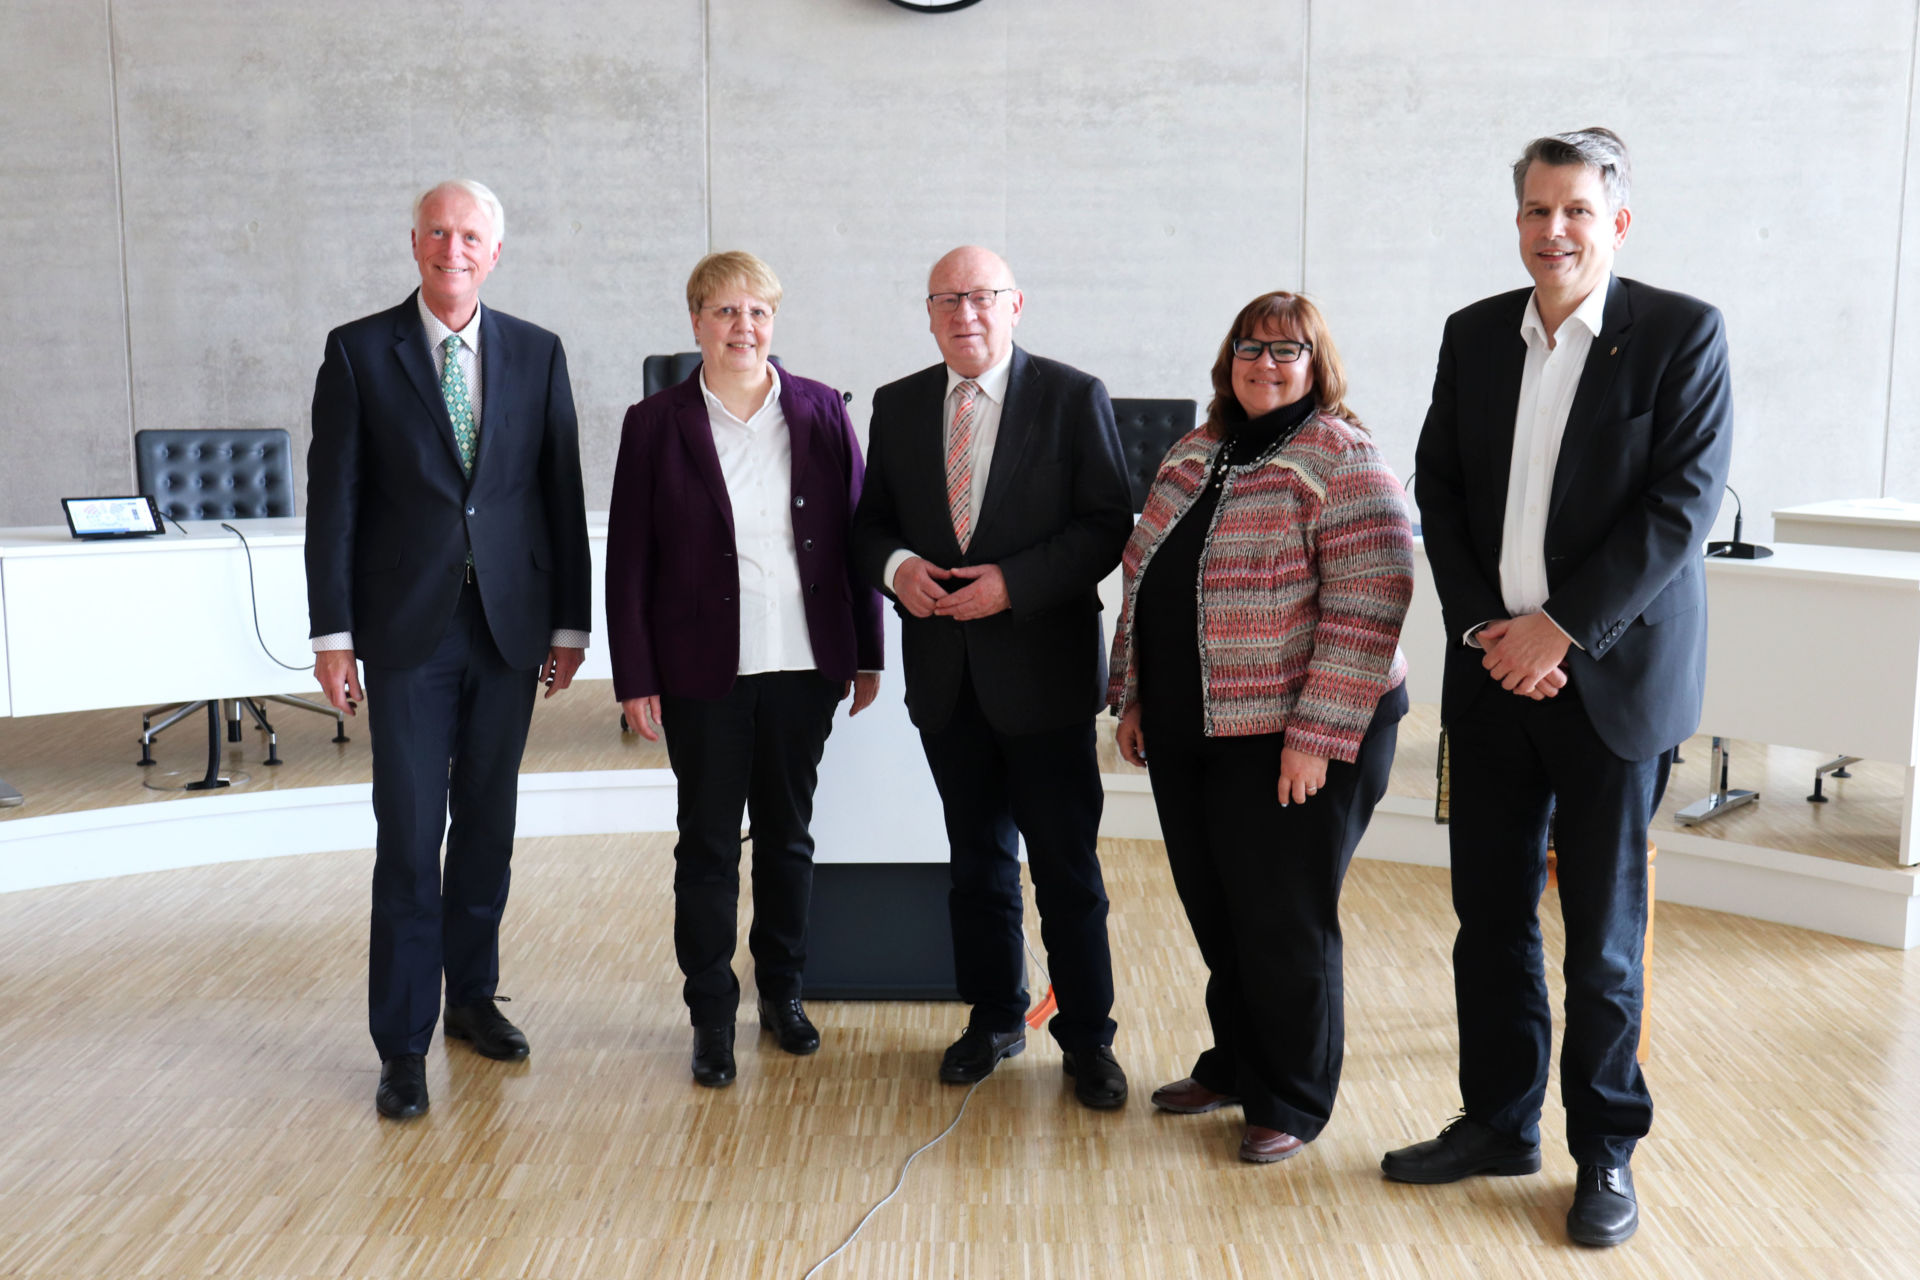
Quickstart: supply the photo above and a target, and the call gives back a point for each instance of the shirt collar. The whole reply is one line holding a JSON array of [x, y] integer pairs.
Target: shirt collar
[[1591, 313], [993, 383], [437, 332], [714, 405]]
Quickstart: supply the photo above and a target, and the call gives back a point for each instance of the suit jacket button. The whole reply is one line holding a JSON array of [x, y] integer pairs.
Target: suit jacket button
[[813, 588], [799, 500], [469, 510], [806, 544]]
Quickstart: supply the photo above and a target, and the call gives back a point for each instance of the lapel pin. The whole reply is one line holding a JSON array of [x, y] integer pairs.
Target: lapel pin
[[1614, 352]]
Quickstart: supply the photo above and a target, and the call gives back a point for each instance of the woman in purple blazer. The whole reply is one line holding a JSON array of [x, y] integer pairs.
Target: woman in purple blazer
[[736, 624]]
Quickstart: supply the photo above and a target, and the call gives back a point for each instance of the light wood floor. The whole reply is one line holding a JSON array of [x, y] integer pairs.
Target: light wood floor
[[85, 760], [188, 1092]]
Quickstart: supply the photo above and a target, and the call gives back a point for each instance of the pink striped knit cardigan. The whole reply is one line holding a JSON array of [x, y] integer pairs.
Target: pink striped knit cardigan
[[1303, 585]]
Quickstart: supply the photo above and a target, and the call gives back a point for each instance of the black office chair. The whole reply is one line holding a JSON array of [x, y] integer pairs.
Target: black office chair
[[241, 474], [1148, 429]]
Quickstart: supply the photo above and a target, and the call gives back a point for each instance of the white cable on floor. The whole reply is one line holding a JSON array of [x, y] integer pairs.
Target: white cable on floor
[[902, 1181], [815, 1269]]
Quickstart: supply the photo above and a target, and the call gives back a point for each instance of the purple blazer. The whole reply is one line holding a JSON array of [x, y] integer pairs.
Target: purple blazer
[[673, 582]]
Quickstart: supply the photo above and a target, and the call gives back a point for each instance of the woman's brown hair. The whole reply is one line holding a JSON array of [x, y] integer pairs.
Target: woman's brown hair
[[1296, 316]]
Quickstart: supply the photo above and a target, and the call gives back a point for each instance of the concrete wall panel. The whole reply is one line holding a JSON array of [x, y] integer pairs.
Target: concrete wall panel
[[272, 153], [1901, 435], [63, 370], [1764, 183], [853, 143], [1154, 180]]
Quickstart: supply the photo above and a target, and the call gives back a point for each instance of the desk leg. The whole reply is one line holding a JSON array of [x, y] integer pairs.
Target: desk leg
[[1720, 799], [9, 797], [1909, 821]]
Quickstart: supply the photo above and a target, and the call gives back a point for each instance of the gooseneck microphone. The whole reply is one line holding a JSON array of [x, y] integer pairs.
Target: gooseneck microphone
[[1736, 549]]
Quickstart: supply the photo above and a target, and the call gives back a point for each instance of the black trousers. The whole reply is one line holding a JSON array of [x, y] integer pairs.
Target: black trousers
[[1515, 763], [758, 749], [1261, 885], [995, 788], [447, 739]]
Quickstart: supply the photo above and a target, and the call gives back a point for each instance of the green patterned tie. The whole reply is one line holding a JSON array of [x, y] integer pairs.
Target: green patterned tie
[[453, 389]]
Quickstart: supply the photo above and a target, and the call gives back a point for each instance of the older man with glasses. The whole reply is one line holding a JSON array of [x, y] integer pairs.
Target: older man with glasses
[[996, 500]]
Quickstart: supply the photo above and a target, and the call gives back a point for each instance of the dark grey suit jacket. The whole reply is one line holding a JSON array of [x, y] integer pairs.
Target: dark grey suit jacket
[[1056, 512], [391, 517], [1639, 479]]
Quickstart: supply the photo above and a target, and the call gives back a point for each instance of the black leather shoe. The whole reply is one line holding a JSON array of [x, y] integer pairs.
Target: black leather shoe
[[402, 1094], [487, 1028], [1464, 1148], [713, 1056], [978, 1051], [1098, 1080], [1604, 1208], [789, 1024]]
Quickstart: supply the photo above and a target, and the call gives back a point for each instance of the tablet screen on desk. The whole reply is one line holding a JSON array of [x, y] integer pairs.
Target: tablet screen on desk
[[135, 517]]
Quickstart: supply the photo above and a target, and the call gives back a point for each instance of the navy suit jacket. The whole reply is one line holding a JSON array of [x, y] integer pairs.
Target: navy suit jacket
[[1637, 485], [391, 518], [1057, 510], [673, 581]]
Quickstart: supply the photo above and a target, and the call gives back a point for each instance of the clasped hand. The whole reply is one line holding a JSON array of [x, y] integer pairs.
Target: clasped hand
[[916, 585], [1524, 655]]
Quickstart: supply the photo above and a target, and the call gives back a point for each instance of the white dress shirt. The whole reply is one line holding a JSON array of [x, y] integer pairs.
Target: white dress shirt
[[1547, 385], [986, 433], [469, 359], [756, 461]]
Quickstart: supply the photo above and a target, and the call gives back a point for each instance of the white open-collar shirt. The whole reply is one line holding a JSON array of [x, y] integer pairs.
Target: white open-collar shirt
[[1547, 385], [756, 461]]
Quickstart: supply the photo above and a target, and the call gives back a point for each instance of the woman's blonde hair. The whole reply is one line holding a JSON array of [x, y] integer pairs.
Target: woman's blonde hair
[[718, 270]]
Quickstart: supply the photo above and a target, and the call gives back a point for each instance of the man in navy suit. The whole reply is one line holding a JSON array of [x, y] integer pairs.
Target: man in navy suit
[[447, 551], [995, 502], [1570, 466]]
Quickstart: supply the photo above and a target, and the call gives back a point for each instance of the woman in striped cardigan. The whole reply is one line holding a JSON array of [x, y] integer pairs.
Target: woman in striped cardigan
[[1258, 654]]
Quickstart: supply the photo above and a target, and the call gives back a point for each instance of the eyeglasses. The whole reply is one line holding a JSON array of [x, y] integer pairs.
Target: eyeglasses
[[758, 315], [978, 299], [1283, 350]]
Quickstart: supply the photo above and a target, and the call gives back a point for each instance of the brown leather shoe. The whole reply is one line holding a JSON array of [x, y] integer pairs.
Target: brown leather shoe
[[1189, 1097], [1264, 1146]]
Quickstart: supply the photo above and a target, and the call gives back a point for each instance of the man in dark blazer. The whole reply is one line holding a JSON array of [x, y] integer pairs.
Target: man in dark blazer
[[995, 502], [447, 551], [1571, 464]]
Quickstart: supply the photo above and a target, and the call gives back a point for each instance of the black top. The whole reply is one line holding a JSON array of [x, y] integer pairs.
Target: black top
[[1166, 606]]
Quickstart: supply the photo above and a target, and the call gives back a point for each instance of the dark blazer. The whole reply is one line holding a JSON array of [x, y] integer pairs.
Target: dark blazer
[[1056, 511], [391, 518], [673, 584], [1638, 482]]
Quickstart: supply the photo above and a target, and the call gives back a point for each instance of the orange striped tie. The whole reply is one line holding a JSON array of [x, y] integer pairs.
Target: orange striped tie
[[960, 464]]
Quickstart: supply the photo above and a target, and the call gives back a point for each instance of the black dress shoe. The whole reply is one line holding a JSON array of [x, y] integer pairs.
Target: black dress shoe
[[789, 1024], [978, 1051], [402, 1094], [1464, 1148], [1604, 1208], [487, 1028], [713, 1056], [1098, 1080]]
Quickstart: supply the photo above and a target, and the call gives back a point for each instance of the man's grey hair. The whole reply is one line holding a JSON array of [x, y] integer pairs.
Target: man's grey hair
[[1596, 148], [479, 191]]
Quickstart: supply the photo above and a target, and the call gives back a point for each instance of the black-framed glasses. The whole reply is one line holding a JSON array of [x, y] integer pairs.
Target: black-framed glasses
[[1283, 350], [978, 299]]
